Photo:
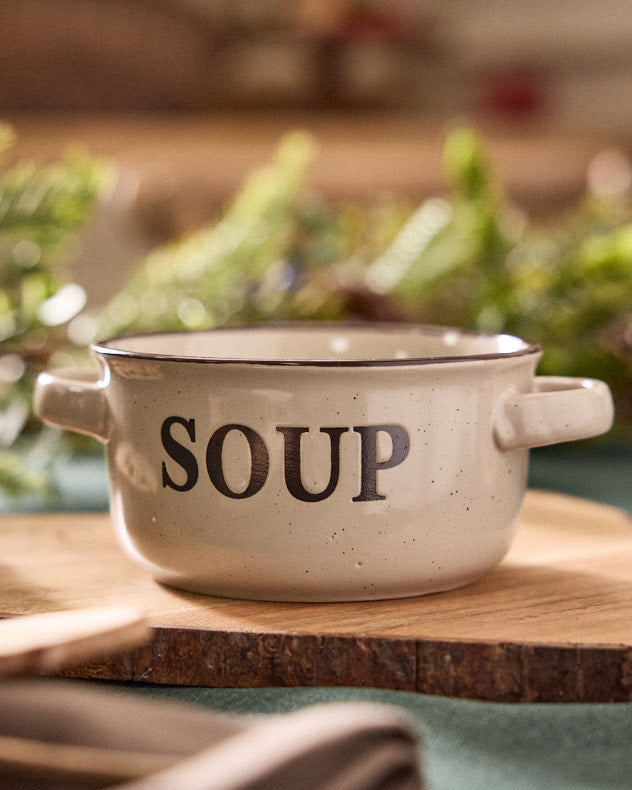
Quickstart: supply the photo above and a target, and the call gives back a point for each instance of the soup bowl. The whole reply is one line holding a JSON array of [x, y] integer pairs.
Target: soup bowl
[[319, 463]]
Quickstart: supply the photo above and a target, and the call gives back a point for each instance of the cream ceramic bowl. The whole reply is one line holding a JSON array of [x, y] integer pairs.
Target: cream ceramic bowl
[[319, 463]]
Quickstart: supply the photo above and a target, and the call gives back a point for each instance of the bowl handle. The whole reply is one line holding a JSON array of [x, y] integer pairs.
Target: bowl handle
[[75, 400], [559, 409]]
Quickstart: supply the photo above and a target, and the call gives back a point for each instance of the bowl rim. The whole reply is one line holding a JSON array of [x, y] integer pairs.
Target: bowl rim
[[107, 348]]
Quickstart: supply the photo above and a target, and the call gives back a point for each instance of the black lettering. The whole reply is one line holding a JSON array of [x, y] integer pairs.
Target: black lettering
[[258, 457], [179, 453], [368, 457], [293, 479]]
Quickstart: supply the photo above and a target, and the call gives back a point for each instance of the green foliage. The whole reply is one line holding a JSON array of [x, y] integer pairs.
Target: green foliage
[[42, 210], [260, 261], [473, 260], [468, 258]]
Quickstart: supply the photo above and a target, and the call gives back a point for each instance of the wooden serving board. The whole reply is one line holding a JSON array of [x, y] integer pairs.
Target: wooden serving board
[[553, 622]]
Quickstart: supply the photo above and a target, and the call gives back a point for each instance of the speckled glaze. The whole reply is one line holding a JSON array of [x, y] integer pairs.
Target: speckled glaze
[[319, 463]]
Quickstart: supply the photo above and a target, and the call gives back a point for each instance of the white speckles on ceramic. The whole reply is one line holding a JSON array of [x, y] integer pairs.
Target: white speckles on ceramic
[[319, 463]]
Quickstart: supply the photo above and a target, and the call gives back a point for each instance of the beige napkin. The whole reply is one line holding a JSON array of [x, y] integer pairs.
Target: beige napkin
[[335, 746]]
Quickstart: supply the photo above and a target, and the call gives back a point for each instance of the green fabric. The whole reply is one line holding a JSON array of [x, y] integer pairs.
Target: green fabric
[[473, 745], [602, 473]]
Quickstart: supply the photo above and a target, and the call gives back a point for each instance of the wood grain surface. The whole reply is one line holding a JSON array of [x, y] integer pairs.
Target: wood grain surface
[[553, 622], [39, 643]]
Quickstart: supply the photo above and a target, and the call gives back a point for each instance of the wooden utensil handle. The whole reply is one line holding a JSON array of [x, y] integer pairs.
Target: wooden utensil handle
[[23, 756]]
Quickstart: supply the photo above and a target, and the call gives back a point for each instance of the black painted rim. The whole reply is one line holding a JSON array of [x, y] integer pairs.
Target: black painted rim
[[108, 348]]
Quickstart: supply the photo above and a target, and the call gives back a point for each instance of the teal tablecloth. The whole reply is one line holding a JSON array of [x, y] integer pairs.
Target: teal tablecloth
[[473, 745], [468, 744]]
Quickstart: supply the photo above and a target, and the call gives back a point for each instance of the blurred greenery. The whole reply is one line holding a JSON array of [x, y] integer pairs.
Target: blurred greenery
[[43, 208], [472, 259], [261, 260], [466, 258]]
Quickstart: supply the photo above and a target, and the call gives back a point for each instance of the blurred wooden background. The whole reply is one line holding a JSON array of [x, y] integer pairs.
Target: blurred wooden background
[[187, 96], [565, 63]]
